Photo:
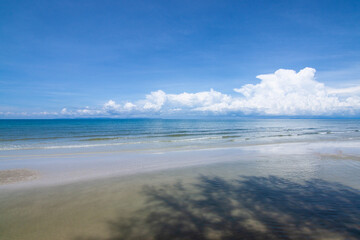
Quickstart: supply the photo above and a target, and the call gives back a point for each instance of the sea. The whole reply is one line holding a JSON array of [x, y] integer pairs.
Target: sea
[[142, 134]]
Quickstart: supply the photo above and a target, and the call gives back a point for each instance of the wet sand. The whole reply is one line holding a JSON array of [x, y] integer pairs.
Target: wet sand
[[17, 175], [265, 193]]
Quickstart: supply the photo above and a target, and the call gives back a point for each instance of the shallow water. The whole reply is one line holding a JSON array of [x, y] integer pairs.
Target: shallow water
[[302, 196]]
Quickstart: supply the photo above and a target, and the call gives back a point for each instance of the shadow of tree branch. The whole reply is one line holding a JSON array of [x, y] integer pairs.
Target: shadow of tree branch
[[244, 208]]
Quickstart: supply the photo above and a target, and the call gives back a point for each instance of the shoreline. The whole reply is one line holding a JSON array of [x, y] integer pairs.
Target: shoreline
[[79, 194], [90, 204], [106, 148], [56, 168]]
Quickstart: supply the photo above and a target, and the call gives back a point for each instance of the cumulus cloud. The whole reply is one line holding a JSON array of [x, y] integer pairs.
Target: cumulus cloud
[[163, 103], [284, 93]]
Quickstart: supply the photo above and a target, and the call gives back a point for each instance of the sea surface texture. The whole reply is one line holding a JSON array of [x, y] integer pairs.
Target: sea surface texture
[[158, 133]]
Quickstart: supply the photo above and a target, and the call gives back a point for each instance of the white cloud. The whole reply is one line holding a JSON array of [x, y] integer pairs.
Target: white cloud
[[200, 100], [289, 93], [348, 90], [160, 102], [284, 92], [64, 111], [154, 101]]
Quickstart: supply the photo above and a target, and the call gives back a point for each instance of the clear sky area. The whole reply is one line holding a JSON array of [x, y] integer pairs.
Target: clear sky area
[[69, 59]]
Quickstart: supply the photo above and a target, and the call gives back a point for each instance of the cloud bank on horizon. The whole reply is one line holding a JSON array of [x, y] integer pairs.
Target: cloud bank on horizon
[[283, 93]]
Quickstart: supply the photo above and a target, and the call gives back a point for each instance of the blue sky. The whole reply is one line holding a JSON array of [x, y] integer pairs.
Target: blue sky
[[59, 58]]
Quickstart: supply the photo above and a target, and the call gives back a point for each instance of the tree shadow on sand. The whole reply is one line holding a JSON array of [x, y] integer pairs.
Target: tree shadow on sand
[[244, 208]]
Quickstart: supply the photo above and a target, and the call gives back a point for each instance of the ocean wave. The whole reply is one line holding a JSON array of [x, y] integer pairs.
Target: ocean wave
[[19, 147], [100, 139]]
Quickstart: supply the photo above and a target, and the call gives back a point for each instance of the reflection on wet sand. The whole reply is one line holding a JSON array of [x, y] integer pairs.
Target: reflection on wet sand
[[243, 208]]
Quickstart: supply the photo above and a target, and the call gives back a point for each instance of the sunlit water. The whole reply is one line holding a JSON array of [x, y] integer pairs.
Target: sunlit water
[[157, 133]]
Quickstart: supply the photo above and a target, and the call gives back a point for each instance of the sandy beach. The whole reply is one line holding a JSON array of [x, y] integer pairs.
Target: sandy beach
[[199, 194], [17, 175]]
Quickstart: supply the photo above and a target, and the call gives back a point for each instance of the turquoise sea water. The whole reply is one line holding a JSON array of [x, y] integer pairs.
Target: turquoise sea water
[[161, 133]]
